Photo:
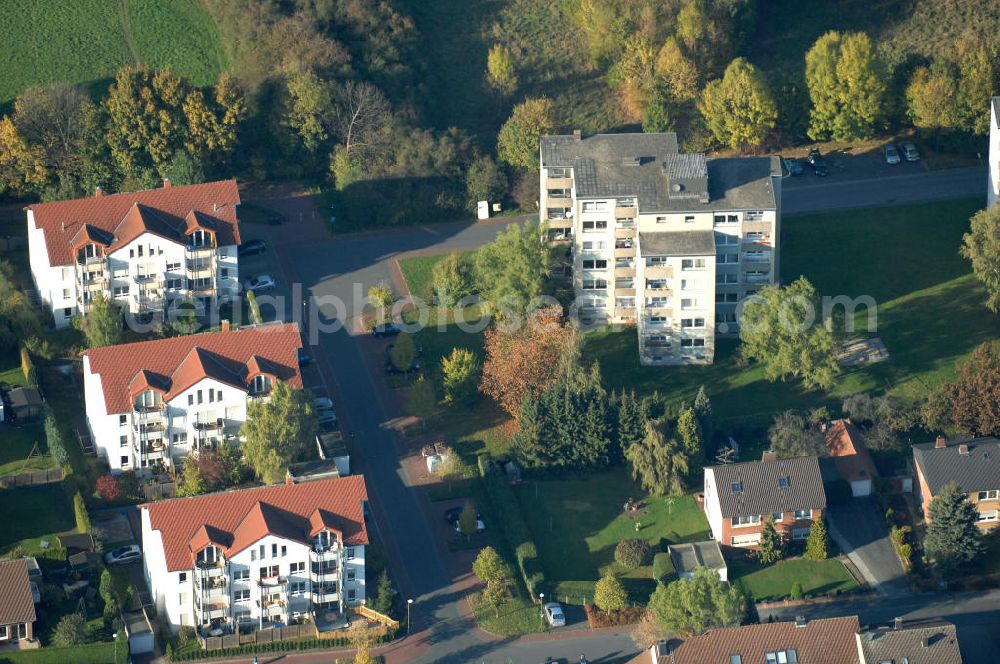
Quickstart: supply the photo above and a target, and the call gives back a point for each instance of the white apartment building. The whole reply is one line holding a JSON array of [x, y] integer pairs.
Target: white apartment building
[[153, 402], [257, 557], [993, 192], [143, 249], [671, 242]]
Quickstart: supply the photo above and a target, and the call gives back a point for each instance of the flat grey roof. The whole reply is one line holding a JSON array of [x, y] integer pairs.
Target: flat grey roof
[[686, 557], [605, 165], [677, 243]]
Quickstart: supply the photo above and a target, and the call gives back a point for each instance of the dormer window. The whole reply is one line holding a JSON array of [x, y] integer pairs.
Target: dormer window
[[209, 555], [737, 487], [260, 384], [784, 482], [324, 540], [147, 400], [200, 238]]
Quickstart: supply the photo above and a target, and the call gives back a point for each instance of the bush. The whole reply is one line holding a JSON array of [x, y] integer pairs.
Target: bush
[[797, 590], [28, 367], [663, 567], [71, 630], [80, 510], [633, 553], [109, 488], [609, 594], [255, 314], [54, 438]]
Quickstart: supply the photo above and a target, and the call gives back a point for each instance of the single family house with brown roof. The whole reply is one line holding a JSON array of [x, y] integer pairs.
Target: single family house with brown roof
[[850, 456], [17, 605], [971, 463]]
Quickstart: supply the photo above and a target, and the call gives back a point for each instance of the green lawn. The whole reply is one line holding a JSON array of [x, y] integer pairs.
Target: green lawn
[[33, 514], [577, 523], [417, 271], [15, 446], [905, 257], [517, 616], [10, 369], [85, 41], [775, 582]]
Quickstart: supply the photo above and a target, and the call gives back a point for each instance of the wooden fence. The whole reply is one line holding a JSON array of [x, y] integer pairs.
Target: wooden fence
[[375, 616], [159, 491], [259, 636], [32, 478]]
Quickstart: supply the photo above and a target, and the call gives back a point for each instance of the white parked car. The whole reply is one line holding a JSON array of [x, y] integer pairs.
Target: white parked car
[[259, 284], [123, 555], [554, 614]]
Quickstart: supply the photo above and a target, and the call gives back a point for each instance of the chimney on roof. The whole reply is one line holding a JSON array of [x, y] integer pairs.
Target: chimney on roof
[[578, 134], [925, 642], [940, 442], [963, 449], [64, 227], [215, 207], [800, 621], [225, 326], [166, 183], [897, 624], [769, 455], [98, 192]]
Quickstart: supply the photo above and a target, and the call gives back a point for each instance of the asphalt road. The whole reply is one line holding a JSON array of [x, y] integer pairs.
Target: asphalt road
[[345, 266], [860, 531], [975, 614]]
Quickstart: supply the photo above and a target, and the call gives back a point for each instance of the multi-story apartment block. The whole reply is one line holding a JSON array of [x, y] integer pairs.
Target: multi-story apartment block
[[142, 249], [993, 190], [741, 497], [971, 463], [153, 402], [670, 241], [256, 557]]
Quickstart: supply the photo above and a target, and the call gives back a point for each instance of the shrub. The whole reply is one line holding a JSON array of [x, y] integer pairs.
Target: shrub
[[663, 567], [54, 438], [633, 553], [28, 367], [71, 630], [255, 315], [609, 594], [796, 590], [109, 488], [80, 510]]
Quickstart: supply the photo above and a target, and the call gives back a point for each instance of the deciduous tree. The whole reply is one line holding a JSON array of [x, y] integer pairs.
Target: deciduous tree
[[460, 372], [500, 73], [109, 488], [952, 538], [517, 142], [453, 279], [693, 606], [310, 108], [981, 246], [467, 520], [660, 465], [769, 548], [404, 352], [484, 181], [931, 97], [278, 431], [489, 566], [973, 398], [362, 122], [792, 434], [847, 85], [422, 401], [22, 167], [677, 72], [511, 271], [979, 80], [70, 631], [381, 297], [739, 109], [102, 326], [780, 329], [609, 594], [692, 440]]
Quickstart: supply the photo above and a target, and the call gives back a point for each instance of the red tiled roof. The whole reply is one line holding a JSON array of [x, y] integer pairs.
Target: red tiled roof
[[16, 604], [849, 452], [825, 641], [176, 364], [163, 211], [245, 516]]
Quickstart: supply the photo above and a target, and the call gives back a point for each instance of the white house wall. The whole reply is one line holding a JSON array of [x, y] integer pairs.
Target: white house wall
[[712, 508]]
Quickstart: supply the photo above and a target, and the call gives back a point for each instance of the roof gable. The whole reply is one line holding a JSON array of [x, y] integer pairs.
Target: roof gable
[[180, 362], [16, 604], [783, 485], [976, 470], [129, 214], [247, 515]]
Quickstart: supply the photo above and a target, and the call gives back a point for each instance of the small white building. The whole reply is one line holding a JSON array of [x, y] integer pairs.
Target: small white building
[[257, 557], [143, 249], [156, 401], [993, 191]]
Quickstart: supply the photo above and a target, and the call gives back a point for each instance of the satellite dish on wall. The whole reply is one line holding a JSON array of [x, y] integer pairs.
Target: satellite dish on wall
[[676, 187]]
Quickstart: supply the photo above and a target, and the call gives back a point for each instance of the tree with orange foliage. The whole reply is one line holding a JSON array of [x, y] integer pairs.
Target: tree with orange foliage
[[523, 361], [973, 398]]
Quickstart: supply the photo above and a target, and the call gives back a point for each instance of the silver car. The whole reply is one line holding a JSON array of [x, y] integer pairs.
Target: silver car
[[891, 154], [554, 614]]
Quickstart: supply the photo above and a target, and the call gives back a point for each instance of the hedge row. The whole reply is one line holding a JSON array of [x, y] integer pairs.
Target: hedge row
[[255, 315], [88, 653], [514, 527], [28, 367], [663, 567], [273, 646]]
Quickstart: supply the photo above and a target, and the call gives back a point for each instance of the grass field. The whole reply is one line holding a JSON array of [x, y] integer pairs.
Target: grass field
[[418, 271], [32, 514], [577, 523], [17, 445], [775, 582], [87, 41]]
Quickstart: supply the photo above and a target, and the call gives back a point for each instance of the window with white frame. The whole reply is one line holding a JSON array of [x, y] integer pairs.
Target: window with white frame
[[595, 263], [745, 540], [559, 193], [781, 657], [728, 278], [241, 595], [727, 259], [755, 236], [242, 616], [559, 172], [692, 343], [595, 226], [242, 574], [727, 298], [777, 516], [625, 201], [689, 219], [594, 206], [297, 588], [693, 264], [688, 303], [741, 521], [296, 568], [726, 317], [595, 284], [658, 319], [589, 245], [692, 323], [557, 213], [988, 515], [661, 220], [726, 239], [658, 302], [803, 514], [988, 495]]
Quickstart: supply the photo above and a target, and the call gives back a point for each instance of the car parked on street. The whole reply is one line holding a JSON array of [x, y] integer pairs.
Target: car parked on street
[[327, 419], [262, 283], [386, 330], [909, 151], [891, 154], [817, 161], [554, 615], [323, 403], [123, 555], [251, 248], [792, 166]]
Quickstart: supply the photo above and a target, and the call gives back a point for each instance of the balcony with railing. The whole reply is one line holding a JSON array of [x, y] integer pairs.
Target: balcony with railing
[[203, 568], [623, 232], [208, 425], [756, 278], [762, 257], [659, 270]]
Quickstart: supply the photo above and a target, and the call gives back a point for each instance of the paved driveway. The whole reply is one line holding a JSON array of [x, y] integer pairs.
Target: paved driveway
[[860, 531]]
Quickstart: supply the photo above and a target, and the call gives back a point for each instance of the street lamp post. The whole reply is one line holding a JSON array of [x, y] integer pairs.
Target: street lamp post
[[541, 601], [115, 647], [409, 603]]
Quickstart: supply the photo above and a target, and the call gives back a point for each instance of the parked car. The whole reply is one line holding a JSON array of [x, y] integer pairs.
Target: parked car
[[909, 151], [417, 346], [326, 418], [393, 370], [386, 330], [452, 515], [251, 248], [480, 526], [817, 161], [554, 614], [323, 403], [891, 154], [123, 555], [259, 284], [792, 165]]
